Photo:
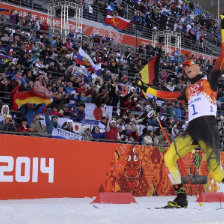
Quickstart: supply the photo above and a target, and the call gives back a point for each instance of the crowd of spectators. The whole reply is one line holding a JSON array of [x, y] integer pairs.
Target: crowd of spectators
[[184, 16], [41, 62]]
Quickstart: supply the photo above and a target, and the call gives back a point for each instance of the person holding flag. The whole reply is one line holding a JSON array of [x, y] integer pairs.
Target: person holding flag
[[202, 130]]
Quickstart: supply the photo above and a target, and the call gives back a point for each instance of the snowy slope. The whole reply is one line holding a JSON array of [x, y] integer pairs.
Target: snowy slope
[[80, 211]]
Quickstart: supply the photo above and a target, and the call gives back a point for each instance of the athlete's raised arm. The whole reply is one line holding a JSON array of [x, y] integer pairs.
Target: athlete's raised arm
[[218, 69]]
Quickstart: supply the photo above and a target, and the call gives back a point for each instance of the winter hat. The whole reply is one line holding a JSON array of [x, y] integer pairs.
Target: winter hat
[[113, 121], [4, 106], [54, 116]]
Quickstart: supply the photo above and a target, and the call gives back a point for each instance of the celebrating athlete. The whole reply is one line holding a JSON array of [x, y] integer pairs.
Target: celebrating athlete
[[202, 131]]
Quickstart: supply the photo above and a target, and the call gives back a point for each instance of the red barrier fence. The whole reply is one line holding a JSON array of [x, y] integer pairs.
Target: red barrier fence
[[32, 167]]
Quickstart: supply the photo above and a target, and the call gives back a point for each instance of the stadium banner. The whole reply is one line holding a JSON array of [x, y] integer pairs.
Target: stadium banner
[[63, 134], [89, 30], [34, 167]]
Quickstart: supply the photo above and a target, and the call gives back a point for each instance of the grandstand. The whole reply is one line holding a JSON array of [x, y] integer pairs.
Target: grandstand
[[70, 70], [75, 90]]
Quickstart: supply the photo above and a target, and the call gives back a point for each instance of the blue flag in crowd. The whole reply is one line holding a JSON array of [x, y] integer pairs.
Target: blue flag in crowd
[[110, 7]]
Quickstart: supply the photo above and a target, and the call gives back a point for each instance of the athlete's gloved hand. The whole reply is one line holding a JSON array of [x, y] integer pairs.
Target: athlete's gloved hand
[[141, 85]]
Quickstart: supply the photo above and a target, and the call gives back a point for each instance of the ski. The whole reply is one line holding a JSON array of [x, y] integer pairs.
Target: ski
[[165, 207], [170, 207], [95, 206]]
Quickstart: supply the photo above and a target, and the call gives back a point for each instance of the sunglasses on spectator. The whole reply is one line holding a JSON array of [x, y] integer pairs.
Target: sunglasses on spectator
[[189, 62]]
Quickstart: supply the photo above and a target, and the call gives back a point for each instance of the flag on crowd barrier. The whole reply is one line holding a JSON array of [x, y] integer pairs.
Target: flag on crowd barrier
[[84, 59], [77, 127], [110, 7], [25, 97], [63, 134], [117, 22], [148, 72]]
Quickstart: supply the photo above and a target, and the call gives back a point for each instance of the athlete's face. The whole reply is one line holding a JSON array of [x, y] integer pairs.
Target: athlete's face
[[192, 70]]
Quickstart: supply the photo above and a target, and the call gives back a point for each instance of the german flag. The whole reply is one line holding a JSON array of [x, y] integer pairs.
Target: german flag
[[159, 93], [164, 94], [148, 72], [33, 97]]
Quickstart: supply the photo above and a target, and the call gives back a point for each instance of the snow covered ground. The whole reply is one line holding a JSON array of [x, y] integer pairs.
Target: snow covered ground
[[80, 211]]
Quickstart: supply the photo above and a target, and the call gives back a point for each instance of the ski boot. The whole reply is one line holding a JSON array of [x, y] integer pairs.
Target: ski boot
[[181, 200]]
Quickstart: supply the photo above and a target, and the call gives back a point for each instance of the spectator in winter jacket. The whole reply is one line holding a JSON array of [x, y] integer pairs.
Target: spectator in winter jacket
[[29, 22], [133, 135], [70, 89], [51, 123], [4, 83], [57, 113], [115, 98], [112, 131], [78, 114], [11, 72], [14, 18], [82, 97], [8, 124], [148, 140], [124, 135], [41, 86], [87, 134], [141, 137], [60, 100], [162, 139], [97, 134], [4, 112], [103, 124], [37, 126], [68, 44], [30, 110], [68, 126], [23, 126]]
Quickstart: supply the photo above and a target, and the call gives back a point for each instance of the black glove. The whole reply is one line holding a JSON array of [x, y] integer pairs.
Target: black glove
[[143, 86]]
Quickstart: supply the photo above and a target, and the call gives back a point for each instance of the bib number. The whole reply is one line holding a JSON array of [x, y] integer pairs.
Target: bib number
[[194, 111]]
